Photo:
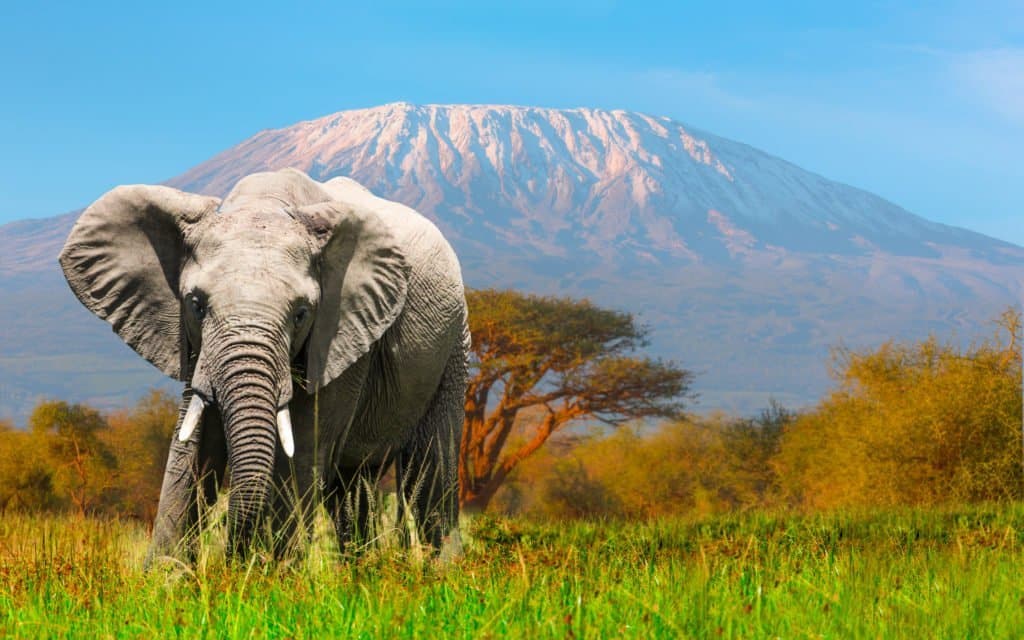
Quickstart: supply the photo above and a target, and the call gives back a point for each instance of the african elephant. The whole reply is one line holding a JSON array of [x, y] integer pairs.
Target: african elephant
[[321, 333]]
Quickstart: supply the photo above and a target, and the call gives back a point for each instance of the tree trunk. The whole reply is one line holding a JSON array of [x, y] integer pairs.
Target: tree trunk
[[489, 475], [476, 500]]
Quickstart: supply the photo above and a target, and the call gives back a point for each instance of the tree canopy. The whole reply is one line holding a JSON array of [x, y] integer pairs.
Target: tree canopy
[[69, 437], [564, 360], [913, 423], [75, 458]]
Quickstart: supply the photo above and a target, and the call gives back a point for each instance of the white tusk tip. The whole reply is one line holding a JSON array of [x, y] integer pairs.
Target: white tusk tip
[[284, 431], [191, 419]]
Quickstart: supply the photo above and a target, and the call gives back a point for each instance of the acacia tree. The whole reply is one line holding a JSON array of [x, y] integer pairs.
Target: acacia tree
[[567, 359]]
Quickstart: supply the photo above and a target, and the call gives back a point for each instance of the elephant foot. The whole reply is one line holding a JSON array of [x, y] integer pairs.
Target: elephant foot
[[451, 547], [173, 568]]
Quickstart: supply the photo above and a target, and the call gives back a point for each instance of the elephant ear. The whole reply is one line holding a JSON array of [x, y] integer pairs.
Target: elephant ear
[[363, 277], [123, 259]]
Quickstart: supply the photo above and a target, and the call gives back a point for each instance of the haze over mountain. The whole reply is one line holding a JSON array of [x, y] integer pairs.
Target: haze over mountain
[[746, 267]]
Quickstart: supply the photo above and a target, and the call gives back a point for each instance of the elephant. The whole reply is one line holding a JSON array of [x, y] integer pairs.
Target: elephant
[[321, 333]]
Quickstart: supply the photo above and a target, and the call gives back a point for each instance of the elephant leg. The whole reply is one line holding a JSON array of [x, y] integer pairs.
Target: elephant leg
[[353, 504], [296, 492], [192, 477], [427, 468]]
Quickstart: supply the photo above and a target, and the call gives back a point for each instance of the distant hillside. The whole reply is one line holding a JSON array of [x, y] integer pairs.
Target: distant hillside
[[746, 267]]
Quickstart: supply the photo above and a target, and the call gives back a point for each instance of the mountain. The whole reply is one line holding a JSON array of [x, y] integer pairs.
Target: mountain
[[746, 268]]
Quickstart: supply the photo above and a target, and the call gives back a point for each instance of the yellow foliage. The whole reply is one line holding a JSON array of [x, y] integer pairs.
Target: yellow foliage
[[693, 466], [74, 457], [915, 423], [141, 438], [26, 479]]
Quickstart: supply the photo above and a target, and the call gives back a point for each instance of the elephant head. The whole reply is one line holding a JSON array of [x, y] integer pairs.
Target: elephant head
[[276, 285]]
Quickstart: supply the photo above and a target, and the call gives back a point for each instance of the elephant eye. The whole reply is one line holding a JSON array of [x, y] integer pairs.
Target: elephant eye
[[301, 314], [196, 306]]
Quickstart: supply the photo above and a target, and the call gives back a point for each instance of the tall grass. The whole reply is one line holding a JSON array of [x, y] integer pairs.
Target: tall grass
[[911, 573]]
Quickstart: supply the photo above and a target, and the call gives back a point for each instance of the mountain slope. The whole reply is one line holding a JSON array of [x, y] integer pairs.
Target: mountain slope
[[746, 267], [602, 178]]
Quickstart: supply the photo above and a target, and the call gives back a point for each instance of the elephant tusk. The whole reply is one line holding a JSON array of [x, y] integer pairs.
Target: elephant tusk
[[284, 430], [192, 416]]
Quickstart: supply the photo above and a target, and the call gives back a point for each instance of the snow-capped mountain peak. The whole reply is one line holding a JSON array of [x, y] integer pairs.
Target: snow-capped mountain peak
[[557, 181]]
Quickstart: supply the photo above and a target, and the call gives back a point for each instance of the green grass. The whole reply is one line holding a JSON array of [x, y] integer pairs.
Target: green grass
[[951, 573]]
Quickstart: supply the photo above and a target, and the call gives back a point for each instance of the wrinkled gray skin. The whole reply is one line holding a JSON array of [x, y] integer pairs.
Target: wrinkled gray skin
[[316, 297]]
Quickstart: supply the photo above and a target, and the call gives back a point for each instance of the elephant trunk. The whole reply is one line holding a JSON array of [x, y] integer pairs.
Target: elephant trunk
[[249, 392]]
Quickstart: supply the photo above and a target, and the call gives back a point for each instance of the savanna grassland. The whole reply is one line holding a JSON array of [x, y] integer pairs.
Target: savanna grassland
[[949, 572], [894, 508]]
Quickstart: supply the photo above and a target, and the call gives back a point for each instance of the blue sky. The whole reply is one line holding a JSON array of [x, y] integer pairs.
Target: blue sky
[[922, 103]]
